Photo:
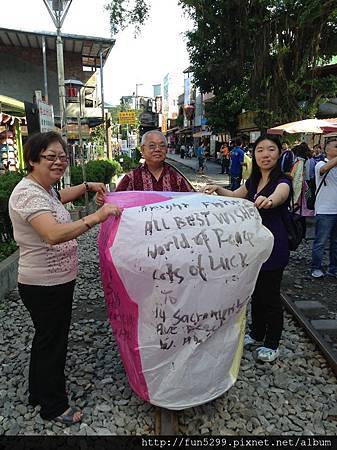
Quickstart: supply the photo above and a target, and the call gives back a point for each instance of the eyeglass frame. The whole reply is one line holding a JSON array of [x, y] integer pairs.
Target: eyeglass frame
[[63, 158], [161, 146]]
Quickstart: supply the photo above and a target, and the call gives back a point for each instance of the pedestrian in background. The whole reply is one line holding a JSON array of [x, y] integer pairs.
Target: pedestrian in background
[[269, 189], [200, 154], [236, 162], [182, 151], [46, 237], [326, 212], [318, 154], [247, 166], [287, 158], [224, 155], [300, 174]]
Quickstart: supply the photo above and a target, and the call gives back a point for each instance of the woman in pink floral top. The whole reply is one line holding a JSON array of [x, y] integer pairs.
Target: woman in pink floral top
[[48, 266]]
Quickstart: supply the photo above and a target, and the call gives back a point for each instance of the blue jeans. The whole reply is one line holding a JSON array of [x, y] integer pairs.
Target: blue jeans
[[326, 227], [235, 181]]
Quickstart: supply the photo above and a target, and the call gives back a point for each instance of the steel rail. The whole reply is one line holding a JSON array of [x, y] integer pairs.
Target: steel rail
[[166, 422], [329, 353]]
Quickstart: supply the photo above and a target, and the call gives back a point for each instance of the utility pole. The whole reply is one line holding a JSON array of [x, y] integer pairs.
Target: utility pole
[[106, 133], [58, 10], [136, 103]]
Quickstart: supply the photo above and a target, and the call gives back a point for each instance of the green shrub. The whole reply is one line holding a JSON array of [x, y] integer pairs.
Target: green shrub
[[100, 171], [8, 181], [126, 162], [138, 154], [7, 248], [76, 175]]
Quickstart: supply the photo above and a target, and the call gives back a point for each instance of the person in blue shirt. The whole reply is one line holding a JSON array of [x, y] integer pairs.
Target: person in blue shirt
[[317, 156], [287, 158], [200, 154], [237, 159]]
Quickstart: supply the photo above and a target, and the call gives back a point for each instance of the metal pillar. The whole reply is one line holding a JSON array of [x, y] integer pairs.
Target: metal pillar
[[45, 75], [106, 145], [84, 175], [62, 97]]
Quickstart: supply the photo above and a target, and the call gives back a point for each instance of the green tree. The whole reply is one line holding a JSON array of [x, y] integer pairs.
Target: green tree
[[122, 14], [262, 55], [97, 137]]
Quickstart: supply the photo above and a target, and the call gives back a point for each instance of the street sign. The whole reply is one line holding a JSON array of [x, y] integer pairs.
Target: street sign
[[127, 117], [46, 116]]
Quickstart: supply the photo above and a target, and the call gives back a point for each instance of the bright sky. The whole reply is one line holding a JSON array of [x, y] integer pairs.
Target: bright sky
[[159, 49]]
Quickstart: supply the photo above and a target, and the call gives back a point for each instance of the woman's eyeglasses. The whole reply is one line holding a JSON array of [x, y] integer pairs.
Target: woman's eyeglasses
[[54, 158]]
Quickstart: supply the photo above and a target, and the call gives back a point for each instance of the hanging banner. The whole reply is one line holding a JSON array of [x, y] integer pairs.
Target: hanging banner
[[164, 123], [187, 91], [178, 271]]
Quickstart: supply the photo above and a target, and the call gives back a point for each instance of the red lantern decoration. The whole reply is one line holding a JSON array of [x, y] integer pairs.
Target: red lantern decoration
[[72, 88], [189, 111]]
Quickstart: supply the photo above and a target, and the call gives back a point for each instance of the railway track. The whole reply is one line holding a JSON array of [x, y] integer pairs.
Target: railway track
[[166, 421], [315, 328]]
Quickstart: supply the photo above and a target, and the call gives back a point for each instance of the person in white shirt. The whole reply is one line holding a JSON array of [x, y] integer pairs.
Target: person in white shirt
[[326, 212]]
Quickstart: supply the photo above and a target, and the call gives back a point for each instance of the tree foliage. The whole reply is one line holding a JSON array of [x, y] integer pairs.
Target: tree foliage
[[124, 14], [263, 55]]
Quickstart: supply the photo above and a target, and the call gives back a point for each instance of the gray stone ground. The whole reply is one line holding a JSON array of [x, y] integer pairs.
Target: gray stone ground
[[296, 395]]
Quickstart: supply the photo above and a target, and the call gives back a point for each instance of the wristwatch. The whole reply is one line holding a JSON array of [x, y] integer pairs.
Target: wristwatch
[[86, 184]]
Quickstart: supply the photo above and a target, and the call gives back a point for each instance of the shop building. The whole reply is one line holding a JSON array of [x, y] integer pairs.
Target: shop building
[[23, 67]]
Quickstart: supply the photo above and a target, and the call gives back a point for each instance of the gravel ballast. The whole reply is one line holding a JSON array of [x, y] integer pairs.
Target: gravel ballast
[[296, 395]]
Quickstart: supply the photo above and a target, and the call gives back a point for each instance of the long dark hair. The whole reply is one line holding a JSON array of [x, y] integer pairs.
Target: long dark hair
[[276, 173]]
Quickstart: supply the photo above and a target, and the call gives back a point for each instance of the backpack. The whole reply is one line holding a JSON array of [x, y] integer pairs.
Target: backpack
[[287, 161], [312, 193], [294, 226]]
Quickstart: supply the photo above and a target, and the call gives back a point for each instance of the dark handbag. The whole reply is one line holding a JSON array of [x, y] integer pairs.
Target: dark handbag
[[295, 230], [312, 193], [294, 226]]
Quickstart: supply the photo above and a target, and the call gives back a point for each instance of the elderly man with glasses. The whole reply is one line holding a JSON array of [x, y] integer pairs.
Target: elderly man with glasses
[[154, 174]]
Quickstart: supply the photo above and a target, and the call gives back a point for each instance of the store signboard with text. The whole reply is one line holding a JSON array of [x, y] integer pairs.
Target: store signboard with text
[[127, 118], [46, 116]]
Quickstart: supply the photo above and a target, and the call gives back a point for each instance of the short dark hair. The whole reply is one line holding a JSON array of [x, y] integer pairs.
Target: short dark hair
[[331, 139], [37, 143], [302, 150]]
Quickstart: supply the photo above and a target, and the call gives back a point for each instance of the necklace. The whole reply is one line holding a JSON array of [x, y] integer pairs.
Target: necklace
[[37, 181]]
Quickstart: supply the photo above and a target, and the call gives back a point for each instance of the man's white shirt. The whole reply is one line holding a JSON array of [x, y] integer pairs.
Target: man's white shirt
[[326, 201]]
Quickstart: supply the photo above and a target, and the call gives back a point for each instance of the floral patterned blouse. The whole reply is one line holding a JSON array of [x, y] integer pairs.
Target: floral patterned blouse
[[40, 263]]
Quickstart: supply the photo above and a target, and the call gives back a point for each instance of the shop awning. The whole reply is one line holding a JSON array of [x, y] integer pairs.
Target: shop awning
[[185, 130], [172, 130], [199, 134], [12, 106], [89, 46]]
